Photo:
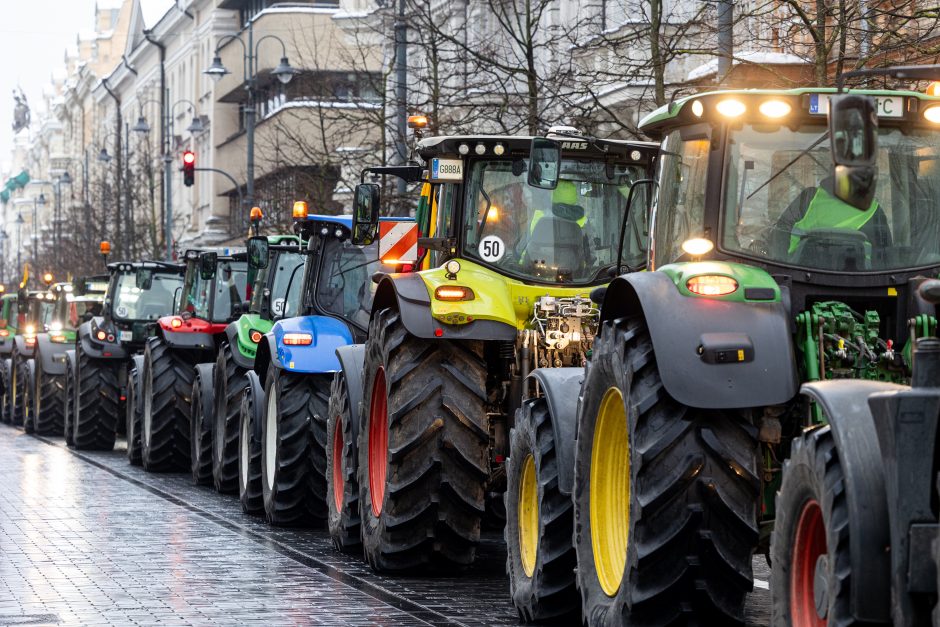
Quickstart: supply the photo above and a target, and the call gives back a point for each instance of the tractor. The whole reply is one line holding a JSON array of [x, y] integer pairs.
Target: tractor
[[282, 441], [100, 369], [640, 487], [515, 243], [8, 325], [273, 262], [74, 303], [35, 314], [212, 296]]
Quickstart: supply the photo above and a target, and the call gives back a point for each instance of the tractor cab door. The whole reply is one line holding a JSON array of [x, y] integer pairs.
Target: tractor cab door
[[443, 209]]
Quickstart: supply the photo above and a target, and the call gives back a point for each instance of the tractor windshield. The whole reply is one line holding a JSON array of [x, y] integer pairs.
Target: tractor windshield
[[71, 310], [779, 202], [135, 303], [214, 299], [40, 311], [282, 265], [344, 284], [566, 235]]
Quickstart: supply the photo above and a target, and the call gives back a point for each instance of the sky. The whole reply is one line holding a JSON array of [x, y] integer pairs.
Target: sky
[[34, 36]]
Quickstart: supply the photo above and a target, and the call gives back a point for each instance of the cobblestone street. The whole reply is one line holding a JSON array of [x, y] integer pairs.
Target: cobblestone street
[[87, 539]]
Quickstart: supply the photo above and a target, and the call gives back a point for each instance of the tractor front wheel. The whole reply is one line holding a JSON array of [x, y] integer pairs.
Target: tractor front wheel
[[47, 403], [665, 496], [342, 488], [94, 420], [134, 409], [18, 389], [540, 559], [423, 448], [200, 425], [167, 385], [28, 378], [250, 416], [229, 383], [293, 456]]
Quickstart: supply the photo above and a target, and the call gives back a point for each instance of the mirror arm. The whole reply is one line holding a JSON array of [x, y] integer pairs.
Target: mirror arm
[[440, 244]]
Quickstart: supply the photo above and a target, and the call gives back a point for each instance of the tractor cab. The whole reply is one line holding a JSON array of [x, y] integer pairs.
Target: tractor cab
[[38, 316], [8, 322], [71, 308], [214, 288]]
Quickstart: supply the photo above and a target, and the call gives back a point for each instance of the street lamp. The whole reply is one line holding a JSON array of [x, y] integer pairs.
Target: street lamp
[[284, 72], [195, 127]]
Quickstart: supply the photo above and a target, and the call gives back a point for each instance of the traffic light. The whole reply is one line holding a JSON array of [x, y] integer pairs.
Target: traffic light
[[189, 168]]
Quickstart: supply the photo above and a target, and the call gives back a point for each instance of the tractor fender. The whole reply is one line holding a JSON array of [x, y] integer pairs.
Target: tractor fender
[[351, 359], [51, 355], [408, 293], [326, 333], [257, 393], [6, 346], [845, 405], [206, 372], [96, 349], [19, 345], [558, 386], [266, 348], [680, 325], [231, 332]]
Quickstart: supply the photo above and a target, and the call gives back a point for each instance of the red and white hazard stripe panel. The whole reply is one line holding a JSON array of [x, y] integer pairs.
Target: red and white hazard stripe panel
[[398, 242]]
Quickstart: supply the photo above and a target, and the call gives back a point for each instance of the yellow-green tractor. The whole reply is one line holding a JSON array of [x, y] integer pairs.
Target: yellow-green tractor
[[515, 239], [640, 495]]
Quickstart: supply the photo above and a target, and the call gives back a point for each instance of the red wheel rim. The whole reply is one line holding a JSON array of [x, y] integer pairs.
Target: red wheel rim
[[339, 485], [378, 442], [809, 544]]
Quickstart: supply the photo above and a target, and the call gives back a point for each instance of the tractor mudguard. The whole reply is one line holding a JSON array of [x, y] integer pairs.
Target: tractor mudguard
[[408, 293], [750, 347], [351, 359], [19, 344], [231, 332], [51, 355], [186, 339], [845, 405], [558, 385], [257, 392], [326, 335], [99, 350]]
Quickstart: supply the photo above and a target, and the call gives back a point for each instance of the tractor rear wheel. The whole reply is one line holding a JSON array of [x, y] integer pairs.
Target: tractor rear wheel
[[167, 380], [423, 448], [28, 378], [293, 456], [47, 402], [342, 488], [94, 420], [810, 541], [665, 496], [229, 383], [7, 381], [250, 416], [68, 397], [18, 388], [200, 426], [540, 558], [134, 410]]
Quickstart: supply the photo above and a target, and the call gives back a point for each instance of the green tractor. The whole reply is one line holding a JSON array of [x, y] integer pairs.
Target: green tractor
[[273, 262], [517, 237], [8, 325], [73, 304], [641, 486], [34, 314]]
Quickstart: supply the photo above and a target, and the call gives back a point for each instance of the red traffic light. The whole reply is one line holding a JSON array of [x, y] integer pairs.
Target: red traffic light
[[189, 157], [189, 168]]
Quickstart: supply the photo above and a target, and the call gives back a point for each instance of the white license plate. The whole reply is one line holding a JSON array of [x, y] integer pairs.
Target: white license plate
[[126, 336], [886, 106]]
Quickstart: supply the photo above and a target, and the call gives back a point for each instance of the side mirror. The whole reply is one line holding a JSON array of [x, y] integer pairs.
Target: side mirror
[[365, 214], [853, 137], [144, 279], [207, 265], [544, 163], [258, 252]]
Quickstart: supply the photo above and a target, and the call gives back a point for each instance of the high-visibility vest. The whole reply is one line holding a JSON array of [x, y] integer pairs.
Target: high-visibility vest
[[825, 211]]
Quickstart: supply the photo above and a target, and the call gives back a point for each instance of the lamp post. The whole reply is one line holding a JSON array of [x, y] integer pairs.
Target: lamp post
[[283, 72], [166, 120], [38, 201], [19, 237]]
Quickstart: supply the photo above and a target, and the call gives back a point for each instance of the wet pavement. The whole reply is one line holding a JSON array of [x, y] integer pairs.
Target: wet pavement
[[87, 539]]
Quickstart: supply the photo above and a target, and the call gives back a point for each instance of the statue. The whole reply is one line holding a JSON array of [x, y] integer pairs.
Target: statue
[[20, 111]]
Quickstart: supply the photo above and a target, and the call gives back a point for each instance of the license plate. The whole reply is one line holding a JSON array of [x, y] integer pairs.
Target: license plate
[[126, 336], [886, 106], [446, 170]]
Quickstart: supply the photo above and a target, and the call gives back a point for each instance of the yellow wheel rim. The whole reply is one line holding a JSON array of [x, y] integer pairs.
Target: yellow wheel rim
[[610, 492], [528, 516]]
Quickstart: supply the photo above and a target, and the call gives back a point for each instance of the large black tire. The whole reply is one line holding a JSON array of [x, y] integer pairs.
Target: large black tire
[[28, 377], [68, 397], [167, 380], [544, 587], [812, 505], [686, 520], [134, 409], [229, 383], [95, 417], [6, 379], [293, 455], [47, 400], [250, 417], [342, 457], [18, 388], [430, 457], [200, 426]]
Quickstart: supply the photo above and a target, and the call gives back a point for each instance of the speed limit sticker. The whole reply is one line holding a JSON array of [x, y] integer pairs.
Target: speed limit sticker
[[492, 248]]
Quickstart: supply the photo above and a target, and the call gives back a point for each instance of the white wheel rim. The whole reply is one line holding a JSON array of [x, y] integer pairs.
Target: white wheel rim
[[243, 444], [270, 438], [148, 407]]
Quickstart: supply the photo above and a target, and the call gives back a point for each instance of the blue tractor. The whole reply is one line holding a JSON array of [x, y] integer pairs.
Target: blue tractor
[[283, 414]]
